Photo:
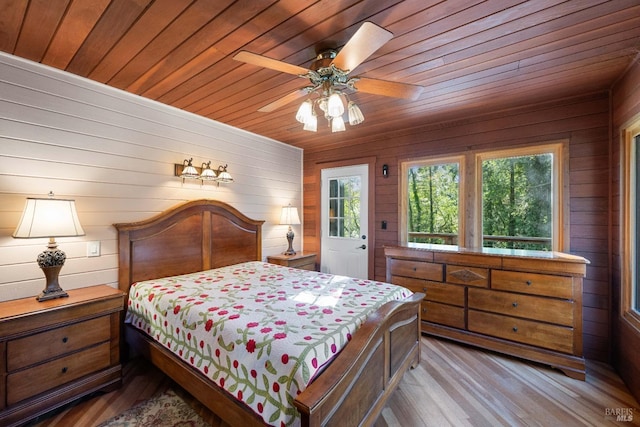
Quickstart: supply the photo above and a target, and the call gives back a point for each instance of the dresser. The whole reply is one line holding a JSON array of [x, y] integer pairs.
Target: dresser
[[526, 304], [302, 260], [55, 351]]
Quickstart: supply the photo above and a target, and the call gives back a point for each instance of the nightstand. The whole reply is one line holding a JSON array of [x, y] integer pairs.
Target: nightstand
[[56, 351], [302, 260]]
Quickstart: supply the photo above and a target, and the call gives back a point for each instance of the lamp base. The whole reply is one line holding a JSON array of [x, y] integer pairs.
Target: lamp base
[[290, 236], [53, 289]]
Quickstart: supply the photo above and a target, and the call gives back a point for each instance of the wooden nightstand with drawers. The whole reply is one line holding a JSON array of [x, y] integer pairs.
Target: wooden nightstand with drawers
[[302, 260], [56, 351]]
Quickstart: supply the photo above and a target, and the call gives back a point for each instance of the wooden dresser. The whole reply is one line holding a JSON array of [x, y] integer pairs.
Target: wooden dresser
[[522, 303], [55, 351]]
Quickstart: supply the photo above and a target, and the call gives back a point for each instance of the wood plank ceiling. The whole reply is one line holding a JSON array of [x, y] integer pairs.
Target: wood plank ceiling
[[471, 56]]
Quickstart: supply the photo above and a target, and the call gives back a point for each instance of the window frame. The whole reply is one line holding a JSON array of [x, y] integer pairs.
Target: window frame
[[629, 175], [470, 190]]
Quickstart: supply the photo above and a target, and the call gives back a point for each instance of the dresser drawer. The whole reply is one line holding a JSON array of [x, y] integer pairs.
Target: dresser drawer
[[532, 283], [417, 269], [530, 307], [433, 291], [40, 378], [530, 332], [469, 276], [37, 348], [443, 314]]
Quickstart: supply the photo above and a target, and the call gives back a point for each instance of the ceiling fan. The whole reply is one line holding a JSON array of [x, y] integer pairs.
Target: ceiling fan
[[329, 79]]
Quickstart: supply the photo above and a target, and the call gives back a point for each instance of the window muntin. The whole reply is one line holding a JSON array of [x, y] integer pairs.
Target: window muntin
[[433, 194], [344, 207], [517, 211]]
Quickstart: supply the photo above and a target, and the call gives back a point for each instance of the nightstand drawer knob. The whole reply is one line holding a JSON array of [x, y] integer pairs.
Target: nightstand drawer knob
[[515, 329], [64, 370], [515, 304], [65, 339], [528, 282]]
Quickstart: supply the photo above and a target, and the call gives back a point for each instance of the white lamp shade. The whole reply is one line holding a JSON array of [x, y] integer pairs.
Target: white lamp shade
[[49, 218], [355, 114], [311, 124], [289, 216]]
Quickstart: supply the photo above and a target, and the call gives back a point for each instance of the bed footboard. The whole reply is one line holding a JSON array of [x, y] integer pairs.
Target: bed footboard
[[351, 391]]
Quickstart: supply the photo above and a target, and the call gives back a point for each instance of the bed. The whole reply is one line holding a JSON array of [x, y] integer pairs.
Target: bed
[[210, 240]]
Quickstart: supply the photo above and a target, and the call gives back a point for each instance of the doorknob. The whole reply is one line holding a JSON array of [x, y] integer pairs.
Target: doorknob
[[362, 247]]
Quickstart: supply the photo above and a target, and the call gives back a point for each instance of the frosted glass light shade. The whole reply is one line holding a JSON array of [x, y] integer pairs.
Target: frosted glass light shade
[[304, 112], [335, 106], [207, 174], [337, 124], [311, 124], [188, 171], [355, 114], [49, 218]]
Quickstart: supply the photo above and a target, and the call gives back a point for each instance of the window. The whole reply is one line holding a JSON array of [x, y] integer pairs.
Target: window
[[517, 201], [344, 207], [501, 199], [433, 202], [630, 215]]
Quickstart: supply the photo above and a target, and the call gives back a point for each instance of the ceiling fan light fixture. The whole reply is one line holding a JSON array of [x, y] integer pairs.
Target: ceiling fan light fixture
[[337, 124], [335, 106], [355, 114]]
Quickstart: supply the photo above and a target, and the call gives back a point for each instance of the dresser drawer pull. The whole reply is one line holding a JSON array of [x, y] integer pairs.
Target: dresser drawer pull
[[528, 282], [64, 370], [515, 329], [65, 339], [515, 304], [415, 269]]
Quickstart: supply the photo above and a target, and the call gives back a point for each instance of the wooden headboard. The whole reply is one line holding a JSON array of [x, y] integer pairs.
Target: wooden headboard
[[193, 236]]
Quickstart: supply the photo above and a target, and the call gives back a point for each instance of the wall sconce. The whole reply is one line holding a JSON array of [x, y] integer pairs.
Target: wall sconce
[[49, 218], [186, 170], [385, 171]]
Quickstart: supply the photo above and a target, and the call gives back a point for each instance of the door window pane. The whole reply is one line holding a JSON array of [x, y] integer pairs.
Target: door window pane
[[432, 203], [344, 207], [517, 211]]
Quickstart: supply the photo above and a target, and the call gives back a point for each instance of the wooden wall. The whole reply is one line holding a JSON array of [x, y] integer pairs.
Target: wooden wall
[[583, 121], [114, 153], [626, 340]]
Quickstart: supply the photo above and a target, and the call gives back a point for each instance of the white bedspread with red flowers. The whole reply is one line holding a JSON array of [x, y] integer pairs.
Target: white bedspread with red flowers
[[258, 330]]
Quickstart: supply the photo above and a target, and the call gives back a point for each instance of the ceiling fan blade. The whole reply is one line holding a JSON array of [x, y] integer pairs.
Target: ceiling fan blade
[[364, 42], [283, 101], [273, 64], [388, 88]]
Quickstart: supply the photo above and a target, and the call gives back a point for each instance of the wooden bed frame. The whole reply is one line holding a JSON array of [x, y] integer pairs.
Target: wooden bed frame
[[205, 234]]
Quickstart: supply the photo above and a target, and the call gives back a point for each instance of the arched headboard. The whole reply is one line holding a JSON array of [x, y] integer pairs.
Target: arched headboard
[[193, 236]]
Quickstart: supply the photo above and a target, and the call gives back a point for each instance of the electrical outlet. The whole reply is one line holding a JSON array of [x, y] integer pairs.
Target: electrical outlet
[[93, 249]]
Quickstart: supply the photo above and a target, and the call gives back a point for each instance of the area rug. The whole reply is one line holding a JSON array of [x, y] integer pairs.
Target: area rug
[[165, 410]]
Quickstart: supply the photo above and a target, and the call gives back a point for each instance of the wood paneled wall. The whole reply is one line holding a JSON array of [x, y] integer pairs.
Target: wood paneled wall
[[626, 339], [584, 121], [114, 153]]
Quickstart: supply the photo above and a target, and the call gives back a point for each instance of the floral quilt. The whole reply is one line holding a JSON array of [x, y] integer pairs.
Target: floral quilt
[[260, 331]]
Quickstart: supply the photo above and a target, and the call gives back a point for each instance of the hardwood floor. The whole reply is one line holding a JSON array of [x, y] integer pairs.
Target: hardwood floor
[[454, 385]]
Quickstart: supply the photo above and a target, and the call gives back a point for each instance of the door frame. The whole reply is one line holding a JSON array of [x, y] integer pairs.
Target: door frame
[[371, 162]]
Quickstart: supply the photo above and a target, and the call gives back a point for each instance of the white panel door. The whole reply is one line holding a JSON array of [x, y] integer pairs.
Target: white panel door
[[345, 221]]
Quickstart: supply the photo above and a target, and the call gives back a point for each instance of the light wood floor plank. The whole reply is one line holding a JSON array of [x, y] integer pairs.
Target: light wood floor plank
[[454, 385]]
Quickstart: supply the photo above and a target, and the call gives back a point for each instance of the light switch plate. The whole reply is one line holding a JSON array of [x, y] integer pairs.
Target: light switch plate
[[93, 249]]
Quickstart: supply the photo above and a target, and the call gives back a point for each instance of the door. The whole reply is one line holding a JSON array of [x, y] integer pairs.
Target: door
[[345, 221]]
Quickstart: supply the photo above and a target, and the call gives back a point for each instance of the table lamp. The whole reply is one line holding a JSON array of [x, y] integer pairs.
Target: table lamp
[[289, 217], [49, 218]]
